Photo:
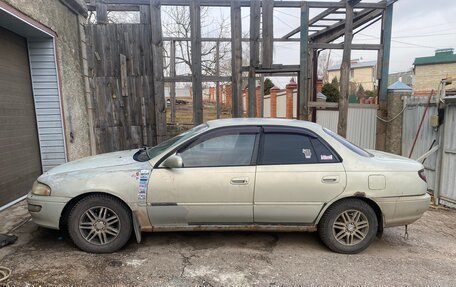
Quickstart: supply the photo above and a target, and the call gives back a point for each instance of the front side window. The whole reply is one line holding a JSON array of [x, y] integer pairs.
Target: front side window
[[234, 149]]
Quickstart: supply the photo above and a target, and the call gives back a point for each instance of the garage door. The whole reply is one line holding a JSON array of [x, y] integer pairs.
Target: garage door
[[19, 150]]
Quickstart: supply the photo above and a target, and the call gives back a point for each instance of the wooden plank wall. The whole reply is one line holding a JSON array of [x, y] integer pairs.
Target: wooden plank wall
[[120, 65]]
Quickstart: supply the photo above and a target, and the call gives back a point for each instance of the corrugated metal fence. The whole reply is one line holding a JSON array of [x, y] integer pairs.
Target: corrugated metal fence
[[445, 189], [411, 120], [361, 125]]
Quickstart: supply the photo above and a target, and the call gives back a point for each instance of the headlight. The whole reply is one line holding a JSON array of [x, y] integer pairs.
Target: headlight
[[41, 189]]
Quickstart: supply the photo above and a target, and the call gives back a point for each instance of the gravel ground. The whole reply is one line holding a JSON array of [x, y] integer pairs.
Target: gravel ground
[[44, 257]]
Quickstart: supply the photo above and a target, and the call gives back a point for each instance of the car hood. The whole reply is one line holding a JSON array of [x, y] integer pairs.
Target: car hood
[[98, 161]]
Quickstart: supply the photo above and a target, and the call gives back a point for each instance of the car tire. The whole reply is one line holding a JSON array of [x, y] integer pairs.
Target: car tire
[[348, 226], [100, 224]]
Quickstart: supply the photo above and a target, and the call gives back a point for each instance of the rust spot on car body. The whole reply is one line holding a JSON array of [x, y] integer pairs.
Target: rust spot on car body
[[247, 227], [359, 194]]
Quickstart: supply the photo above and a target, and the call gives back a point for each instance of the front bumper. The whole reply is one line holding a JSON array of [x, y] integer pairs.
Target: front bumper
[[403, 210], [46, 210]]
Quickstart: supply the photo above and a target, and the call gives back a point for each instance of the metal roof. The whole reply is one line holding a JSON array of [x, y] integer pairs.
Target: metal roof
[[354, 65], [441, 56], [399, 86]]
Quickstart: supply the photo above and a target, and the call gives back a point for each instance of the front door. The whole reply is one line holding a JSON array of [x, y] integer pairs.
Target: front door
[[215, 184], [296, 174]]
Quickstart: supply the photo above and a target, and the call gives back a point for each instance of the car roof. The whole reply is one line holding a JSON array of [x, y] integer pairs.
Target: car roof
[[262, 121]]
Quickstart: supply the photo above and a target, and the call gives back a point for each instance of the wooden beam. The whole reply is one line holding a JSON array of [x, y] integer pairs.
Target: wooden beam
[[157, 68], [197, 85], [172, 87], [345, 72], [144, 14], [255, 18], [236, 58], [385, 55], [217, 83], [246, 3], [188, 79], [268, 33], [303, 96], [102, 12], [337, 29], [341, 46]]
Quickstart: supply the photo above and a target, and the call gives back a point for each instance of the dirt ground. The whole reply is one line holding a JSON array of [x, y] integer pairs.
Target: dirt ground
[[44, 257]]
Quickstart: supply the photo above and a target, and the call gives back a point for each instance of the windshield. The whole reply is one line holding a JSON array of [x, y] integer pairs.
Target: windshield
[[354, 148], [158, 149]]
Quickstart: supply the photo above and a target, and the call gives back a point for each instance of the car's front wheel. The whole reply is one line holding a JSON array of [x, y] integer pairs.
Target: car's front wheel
[[348, 226], [100, 224]]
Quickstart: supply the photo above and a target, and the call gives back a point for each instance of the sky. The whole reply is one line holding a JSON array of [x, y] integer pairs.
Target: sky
[[419, 27]]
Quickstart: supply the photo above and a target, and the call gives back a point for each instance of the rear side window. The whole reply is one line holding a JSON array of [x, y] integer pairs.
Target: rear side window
[[283, 148], [291, 148], [354, 148], [324, 154]]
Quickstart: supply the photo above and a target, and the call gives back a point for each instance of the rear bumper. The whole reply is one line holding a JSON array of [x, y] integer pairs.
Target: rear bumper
[[46, 210], [404, 210]]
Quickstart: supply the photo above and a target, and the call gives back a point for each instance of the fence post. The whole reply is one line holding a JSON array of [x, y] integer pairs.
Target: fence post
[[290, 87], [258, 101], [273, 101], [393, 133]]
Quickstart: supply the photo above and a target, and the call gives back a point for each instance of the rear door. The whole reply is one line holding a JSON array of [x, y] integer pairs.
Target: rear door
[[297, 174]]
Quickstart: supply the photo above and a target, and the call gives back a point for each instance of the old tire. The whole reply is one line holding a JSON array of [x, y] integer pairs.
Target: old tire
[[348, 226], [100, 224]]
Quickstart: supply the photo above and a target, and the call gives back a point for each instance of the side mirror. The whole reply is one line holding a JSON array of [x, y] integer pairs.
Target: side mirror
[[174, 161]]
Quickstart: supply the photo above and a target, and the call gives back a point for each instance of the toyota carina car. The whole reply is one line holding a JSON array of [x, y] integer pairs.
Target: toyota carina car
[[233, 174]]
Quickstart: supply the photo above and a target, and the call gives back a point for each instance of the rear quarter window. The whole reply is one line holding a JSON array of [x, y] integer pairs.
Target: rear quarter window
[[354, 148]]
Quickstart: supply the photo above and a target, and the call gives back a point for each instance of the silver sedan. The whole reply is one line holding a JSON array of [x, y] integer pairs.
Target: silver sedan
[[236, 174]]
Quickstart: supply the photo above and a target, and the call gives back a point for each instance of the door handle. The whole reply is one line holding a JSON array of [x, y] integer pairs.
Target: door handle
[[239, 181], [330, 179]]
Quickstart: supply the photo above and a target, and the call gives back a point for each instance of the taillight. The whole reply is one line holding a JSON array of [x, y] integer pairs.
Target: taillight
[[422, 175]]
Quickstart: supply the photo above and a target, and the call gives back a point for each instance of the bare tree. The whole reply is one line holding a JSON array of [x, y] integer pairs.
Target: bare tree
[[324, 61], [176, 23]]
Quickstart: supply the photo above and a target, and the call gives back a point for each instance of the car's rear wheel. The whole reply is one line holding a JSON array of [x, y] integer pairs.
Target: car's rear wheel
[[348, 226], [100, 224]]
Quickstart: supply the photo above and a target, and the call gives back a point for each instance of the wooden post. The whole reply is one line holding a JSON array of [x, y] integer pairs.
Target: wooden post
[[236, 58], [255, 15], [217, 84], [268, 33], [158, 77], [303, 91], [197, 85], [273, 101], [102, 12], [144, 14], [385, 55], [172, 88], [345, 71]]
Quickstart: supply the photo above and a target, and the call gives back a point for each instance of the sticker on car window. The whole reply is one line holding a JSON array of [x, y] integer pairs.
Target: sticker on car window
[[326, 157], [143, 180], [307, 152]]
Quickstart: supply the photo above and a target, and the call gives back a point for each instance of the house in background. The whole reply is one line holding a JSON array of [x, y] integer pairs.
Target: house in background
[[407, 78], [361, 72], [43, 90], [429, 71]]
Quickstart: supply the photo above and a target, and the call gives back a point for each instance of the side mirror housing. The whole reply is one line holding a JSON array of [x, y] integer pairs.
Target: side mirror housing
[[174, 161]]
